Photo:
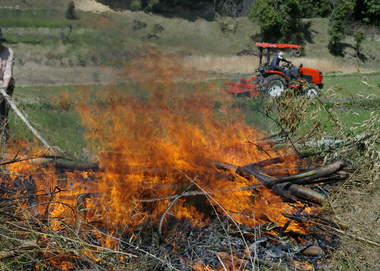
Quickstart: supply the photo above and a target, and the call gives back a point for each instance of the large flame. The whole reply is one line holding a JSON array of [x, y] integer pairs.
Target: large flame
[[158, 140], [158, 144]]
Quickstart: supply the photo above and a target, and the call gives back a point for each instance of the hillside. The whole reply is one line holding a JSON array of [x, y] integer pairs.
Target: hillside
[[108, 39]]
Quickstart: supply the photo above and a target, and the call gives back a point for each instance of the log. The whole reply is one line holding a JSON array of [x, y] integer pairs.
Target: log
[[287, 190], [260, 166], [59, 162], [306, 194], [282, 186], [66, 164], [337, 176], [311, 174], [267, 162], [13, 158]]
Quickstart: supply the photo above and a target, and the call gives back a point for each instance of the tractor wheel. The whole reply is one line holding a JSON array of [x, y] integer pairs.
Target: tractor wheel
[[312, 91], [274, 85]]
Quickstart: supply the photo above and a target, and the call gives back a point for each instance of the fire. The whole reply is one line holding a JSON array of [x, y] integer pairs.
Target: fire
[[226, 262], [155, 146], [156, 143]]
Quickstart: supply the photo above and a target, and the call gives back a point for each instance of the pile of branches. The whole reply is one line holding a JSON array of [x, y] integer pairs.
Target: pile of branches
[[83, 250]]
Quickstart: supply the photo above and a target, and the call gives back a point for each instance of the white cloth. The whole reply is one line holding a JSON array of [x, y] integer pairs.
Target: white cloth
[[6, 63]]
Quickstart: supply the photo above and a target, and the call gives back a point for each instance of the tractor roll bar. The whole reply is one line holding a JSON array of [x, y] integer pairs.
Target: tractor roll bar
[[277, 45]]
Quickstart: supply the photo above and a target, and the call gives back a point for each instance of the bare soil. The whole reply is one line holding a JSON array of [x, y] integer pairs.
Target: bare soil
[[91, 5]]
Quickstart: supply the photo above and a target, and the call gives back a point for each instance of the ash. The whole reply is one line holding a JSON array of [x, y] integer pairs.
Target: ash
[[228, 246]]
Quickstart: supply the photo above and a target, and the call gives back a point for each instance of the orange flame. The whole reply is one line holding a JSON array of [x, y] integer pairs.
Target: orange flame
[[155, 141], [226, 262], [155, 146]]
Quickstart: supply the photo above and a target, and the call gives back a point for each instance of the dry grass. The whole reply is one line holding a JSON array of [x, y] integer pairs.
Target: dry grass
[[354, 203], [63, 76], [329, 65], [359, 209], [223, 64], [248, 64]]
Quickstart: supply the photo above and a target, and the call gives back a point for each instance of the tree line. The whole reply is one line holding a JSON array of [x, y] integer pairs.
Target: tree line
[[367, 11], [280, 20]]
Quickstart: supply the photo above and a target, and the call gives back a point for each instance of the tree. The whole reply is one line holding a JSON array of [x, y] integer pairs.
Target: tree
[[70, 11], [368, 11], [267, 14], [359, 37], [316, 8], [278, 20], [343, 9]]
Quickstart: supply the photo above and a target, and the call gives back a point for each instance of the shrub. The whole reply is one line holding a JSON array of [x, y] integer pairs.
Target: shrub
[[135, 5], [337, 25], [279, 20], [138, 25], [70, 11]]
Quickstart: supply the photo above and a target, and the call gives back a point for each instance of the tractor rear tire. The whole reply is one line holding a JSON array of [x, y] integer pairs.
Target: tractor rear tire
[[312, 91], [274, 85]]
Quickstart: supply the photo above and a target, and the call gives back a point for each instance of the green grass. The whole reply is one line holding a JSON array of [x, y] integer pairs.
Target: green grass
[[35, 4], [33, 18], [59, 123], [62, 127], [111, 38], [349, 85]]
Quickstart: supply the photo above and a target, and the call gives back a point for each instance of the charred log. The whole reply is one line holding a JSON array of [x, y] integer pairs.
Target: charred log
[[287, 190]]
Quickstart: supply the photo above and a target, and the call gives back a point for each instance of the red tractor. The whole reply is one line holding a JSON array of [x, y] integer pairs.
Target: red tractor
[[273, 82]]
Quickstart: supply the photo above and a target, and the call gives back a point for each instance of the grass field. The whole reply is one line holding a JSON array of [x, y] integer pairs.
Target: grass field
[[52, 108], [349, 101], [44, 36]]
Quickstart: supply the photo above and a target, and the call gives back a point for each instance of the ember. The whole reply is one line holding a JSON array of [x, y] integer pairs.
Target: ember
[[158, 169]]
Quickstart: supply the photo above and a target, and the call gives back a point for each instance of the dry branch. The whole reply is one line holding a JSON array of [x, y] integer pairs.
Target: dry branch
[[171, 204], [267, 162], [337, 176], [24, 246], [311, 174], [284, 189]]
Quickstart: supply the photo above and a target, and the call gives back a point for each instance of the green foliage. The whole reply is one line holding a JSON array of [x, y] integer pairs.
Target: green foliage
[[269, 18], [337, 25], [228, 26], [149, 5], [279, 20], [369, 11], [312, 8], [32, 18], [359, 38], [136, 5]]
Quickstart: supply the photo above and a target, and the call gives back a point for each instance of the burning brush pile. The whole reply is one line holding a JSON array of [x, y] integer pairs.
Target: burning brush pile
[[180, 182]]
